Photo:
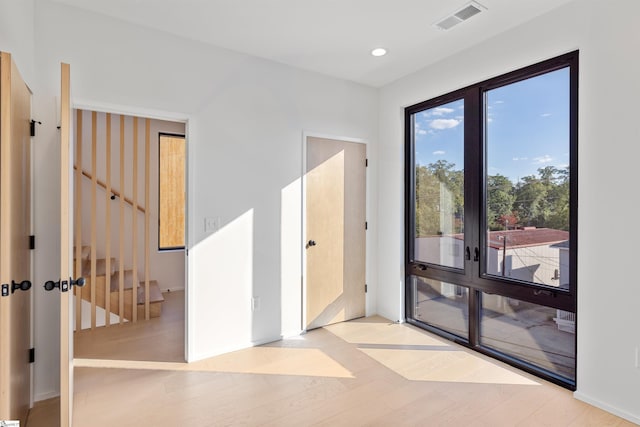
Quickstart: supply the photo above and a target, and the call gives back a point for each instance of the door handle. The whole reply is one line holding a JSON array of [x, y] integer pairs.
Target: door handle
[[476, 256], [468, 254], [311, 243], [64, 285], [25, 285]]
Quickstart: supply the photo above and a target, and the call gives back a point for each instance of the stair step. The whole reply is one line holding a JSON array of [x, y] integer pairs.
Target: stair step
[[101, 267], [115, 280], [154, 292], [85, 253]]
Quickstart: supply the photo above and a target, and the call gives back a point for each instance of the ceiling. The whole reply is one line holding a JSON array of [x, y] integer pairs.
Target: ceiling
[[332, 37]]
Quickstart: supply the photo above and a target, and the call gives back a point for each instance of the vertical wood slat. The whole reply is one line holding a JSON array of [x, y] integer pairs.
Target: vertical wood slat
[[94, 201], [147, 160], [122, 191], [134, 225], [107, 286], [78, 220]]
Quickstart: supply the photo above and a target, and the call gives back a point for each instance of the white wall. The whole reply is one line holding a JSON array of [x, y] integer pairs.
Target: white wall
[[607, 35], [17, 35], [246, 118]]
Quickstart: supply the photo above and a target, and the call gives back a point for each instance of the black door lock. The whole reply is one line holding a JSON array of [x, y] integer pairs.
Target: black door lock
[[64, 285]]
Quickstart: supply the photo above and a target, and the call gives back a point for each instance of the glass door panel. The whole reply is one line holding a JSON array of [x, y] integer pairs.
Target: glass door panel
[[539, 335], [438, 135], [527, 142], [440, 304]]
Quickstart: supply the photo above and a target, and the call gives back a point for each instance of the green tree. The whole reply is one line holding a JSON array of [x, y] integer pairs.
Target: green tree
[[500, 198], [439, 191]]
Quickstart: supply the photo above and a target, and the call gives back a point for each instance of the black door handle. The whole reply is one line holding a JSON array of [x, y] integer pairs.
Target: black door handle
[[64, 285], [468, 254], [311, 243], [476, 256], [7, 289]]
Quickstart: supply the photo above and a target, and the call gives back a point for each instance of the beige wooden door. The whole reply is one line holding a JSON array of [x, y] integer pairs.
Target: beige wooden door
[[15, 226], [335, 231], [66, 238]]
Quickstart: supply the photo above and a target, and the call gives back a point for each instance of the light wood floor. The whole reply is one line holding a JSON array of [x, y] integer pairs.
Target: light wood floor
[[364, 372]]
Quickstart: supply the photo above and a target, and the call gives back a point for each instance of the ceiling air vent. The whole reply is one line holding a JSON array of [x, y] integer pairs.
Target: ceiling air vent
[[460, 15]]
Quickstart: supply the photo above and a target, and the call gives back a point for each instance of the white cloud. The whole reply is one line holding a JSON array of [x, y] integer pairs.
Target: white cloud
[[439, 153], [499, 102], [545, 115], [444, 124], [441, 111], [520, 158], [438, 111], [421, 132], [543, 159]]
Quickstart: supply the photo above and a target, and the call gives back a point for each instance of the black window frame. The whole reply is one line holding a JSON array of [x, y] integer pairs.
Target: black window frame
[[474, 274]]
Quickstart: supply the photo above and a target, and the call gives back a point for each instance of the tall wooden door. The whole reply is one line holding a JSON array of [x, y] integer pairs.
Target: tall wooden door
[[335, 230], [66, 238], [15, 226]]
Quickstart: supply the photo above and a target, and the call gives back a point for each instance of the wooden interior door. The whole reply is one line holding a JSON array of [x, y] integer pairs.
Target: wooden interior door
[[66, 238], [335, 229], [15, 228]]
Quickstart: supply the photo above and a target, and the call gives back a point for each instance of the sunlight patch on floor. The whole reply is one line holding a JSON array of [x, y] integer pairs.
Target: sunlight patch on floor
[[377, 330], [446, 366], [255, 360]]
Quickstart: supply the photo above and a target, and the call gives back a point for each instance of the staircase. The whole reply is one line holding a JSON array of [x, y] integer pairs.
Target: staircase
[[155, 296]]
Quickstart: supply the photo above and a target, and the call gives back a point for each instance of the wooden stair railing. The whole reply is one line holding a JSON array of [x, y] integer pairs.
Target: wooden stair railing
[[114, 193]]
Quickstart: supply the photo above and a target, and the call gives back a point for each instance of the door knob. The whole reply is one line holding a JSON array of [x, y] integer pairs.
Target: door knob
[[64, 285], [311, 243], [25, 285]]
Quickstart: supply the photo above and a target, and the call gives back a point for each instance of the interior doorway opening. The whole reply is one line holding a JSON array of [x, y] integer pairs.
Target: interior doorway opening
[[134, 290]]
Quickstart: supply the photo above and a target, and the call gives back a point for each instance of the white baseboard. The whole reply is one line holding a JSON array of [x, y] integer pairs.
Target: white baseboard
[[606, 407], [45, 396], [173, 289]]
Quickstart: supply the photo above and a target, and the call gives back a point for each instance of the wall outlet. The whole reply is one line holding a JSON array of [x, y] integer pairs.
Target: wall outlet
[[255, 304]]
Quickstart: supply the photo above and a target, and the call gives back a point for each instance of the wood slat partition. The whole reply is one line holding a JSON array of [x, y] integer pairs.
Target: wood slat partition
[[147, 219], [134, 226], [107, 287], [124, 300], [121, 269], [94, 201], [78, 220]]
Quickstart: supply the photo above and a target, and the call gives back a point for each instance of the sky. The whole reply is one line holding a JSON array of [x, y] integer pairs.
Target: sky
[[527, 128]]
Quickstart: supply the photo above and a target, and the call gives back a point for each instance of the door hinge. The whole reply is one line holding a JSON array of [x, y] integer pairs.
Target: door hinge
[[366, 225], [32, 355], [366, 163], [33, 127], [366, 288], [32, 242]]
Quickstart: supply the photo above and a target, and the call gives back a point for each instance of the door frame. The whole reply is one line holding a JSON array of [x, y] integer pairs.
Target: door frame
[[303, 212], [125, 110]]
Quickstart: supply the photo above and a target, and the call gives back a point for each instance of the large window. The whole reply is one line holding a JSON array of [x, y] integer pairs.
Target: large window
[[172, 192], [491, 191]]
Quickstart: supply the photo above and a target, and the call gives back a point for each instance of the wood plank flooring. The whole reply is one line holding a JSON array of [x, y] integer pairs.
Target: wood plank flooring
[[368, 372]]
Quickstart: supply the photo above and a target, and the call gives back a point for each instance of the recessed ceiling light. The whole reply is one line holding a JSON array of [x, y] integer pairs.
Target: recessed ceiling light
[[379, 51]]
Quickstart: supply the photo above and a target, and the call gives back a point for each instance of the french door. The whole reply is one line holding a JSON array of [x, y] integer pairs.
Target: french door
[[491, 219]]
